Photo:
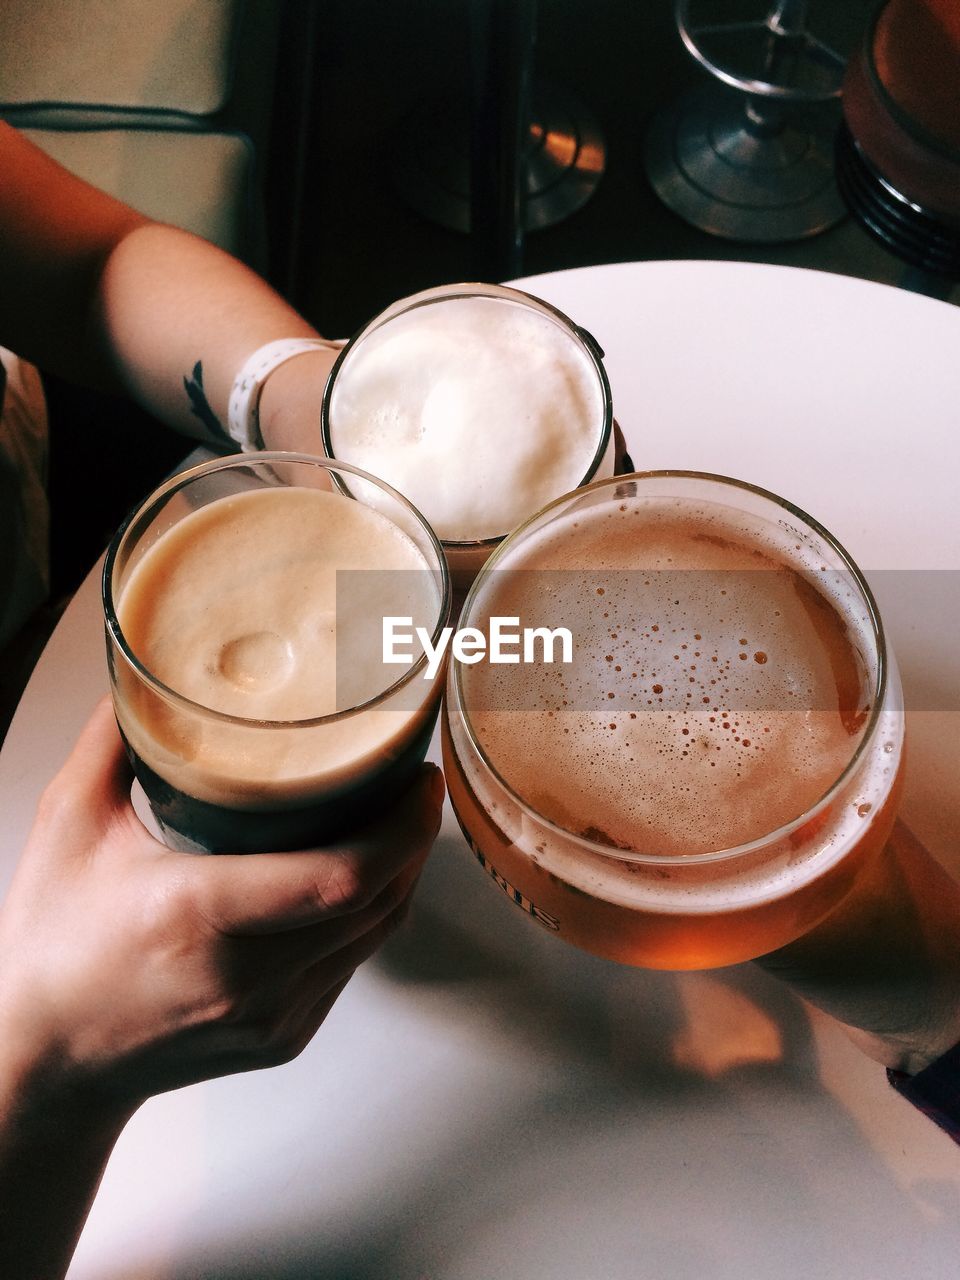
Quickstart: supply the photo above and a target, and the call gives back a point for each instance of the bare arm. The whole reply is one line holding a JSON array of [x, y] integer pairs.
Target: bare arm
[[886, 963], [99, 294], [127, 969]]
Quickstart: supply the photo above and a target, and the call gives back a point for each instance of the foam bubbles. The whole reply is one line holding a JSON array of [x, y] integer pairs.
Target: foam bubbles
[[256, 659], [479, 410], [241, 607], [716, 692]]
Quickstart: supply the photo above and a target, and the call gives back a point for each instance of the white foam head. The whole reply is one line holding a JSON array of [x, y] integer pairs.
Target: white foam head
[[479, 409]]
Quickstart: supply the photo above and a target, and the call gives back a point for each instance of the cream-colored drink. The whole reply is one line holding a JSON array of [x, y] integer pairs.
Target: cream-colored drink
[[478, 409], [243, 609]]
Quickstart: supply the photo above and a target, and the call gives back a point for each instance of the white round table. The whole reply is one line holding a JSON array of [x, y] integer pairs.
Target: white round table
[[486, 1103]]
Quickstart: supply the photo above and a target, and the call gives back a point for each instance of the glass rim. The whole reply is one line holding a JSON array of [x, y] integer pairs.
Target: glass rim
[[915, 128], [468, 289], [713, 855], [265, 457]]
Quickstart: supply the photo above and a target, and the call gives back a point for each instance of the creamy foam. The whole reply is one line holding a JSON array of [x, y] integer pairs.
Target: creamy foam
[[237, 608], [720, 683], [479, 410]]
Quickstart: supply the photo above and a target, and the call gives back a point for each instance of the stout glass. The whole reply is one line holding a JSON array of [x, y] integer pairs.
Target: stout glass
[[227, 781], [680, 718]]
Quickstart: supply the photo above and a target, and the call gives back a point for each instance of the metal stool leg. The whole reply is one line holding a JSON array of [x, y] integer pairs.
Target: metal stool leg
[[750, 157], [502, 40]]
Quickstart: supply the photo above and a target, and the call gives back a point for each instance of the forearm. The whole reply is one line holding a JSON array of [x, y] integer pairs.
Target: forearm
[[174, 320], [99, 294], [53, 1151], [886, 963]]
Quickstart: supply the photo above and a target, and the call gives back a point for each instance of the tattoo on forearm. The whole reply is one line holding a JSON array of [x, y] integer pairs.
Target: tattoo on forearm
[[199, 405]]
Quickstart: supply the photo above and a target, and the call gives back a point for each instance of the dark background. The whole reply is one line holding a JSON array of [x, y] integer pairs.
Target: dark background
[[380, 61], [343, 242]]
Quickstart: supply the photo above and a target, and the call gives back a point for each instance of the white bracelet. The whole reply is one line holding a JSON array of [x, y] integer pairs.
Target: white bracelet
[[243, 418]]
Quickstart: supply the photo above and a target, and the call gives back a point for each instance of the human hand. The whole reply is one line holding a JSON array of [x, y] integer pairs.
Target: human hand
[[886, 962], [129, 969]]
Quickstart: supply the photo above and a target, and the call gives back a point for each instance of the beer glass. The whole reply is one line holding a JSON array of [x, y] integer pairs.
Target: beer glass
[[467, 398], [243, 604], [705, 780]]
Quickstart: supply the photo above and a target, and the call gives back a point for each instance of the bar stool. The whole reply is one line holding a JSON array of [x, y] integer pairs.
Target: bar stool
[[898, 148], [750, 156]]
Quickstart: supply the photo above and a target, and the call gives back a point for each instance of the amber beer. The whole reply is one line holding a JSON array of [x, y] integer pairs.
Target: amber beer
[[243, 606], [706, 779]]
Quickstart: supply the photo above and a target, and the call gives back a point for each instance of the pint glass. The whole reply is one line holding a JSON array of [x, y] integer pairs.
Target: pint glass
[[480, 403], [243, 604], [704, 780]]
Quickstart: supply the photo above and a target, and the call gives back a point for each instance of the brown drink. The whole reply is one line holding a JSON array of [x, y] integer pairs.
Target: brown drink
[[703, 782], [244, 611]]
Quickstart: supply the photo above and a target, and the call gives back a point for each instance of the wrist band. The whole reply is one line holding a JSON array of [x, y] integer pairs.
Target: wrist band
[[243, 417]]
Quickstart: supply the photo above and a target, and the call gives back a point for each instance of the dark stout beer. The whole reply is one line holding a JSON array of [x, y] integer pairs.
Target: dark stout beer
[[248, 679]]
